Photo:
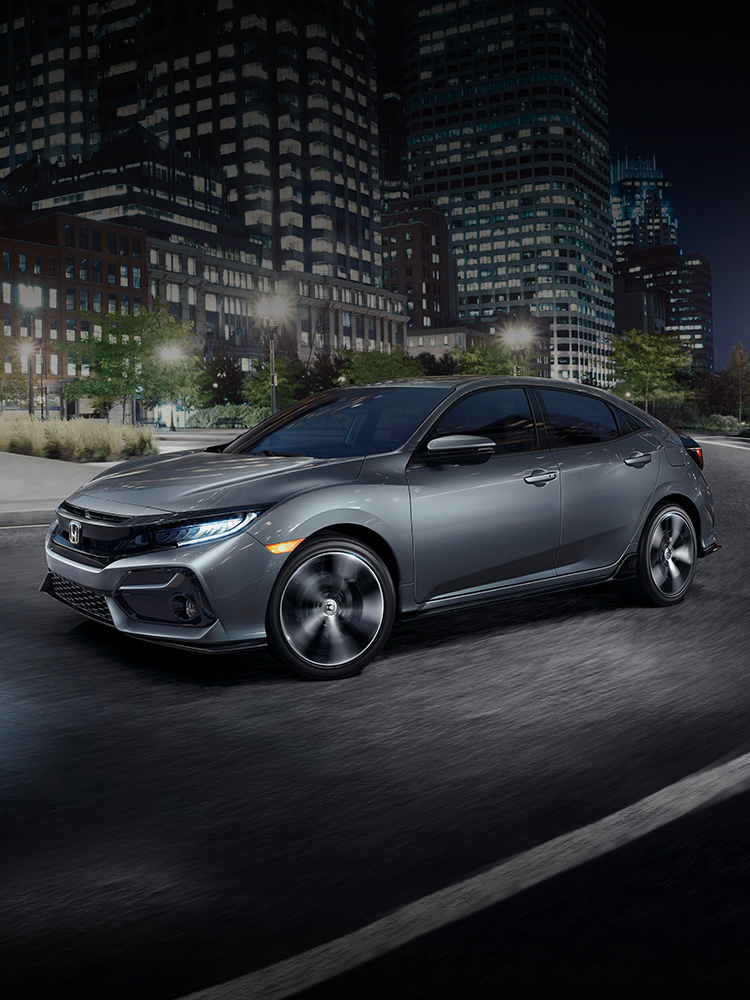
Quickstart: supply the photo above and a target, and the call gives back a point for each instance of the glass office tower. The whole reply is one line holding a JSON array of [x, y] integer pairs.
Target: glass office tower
[[281, 95], [507, 132]]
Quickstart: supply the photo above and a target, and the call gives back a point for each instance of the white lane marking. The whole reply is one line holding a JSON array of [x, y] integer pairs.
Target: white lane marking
[[505, 880], [7, 527], [723, 444]]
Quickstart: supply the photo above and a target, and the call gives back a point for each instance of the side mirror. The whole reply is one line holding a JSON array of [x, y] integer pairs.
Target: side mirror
[[462, 449]]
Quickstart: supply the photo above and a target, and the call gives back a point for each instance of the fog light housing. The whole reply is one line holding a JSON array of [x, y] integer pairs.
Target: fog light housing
[[185, 609], [166, 594]]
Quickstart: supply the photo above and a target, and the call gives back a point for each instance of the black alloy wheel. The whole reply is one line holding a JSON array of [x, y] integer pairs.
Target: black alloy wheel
[[331, 609], [667, 555]]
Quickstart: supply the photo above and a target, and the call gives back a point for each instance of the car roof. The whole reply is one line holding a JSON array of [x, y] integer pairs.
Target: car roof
[[451, 382], [464, 380]]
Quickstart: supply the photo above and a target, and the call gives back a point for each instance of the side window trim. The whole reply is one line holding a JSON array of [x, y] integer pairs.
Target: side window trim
[[534, 413], [540, 418], [549, 429], [626, 427]]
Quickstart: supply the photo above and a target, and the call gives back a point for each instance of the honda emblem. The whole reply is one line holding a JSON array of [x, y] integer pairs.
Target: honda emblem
[[74, 532]]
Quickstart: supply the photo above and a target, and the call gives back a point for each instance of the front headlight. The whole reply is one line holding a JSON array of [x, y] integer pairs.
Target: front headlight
[[191, 532]]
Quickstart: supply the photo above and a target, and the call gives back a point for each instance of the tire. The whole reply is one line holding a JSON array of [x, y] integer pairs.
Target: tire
[[667, 554], [331, 609]]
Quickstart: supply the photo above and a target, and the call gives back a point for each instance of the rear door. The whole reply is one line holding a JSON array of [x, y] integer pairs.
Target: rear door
[[607, 478]]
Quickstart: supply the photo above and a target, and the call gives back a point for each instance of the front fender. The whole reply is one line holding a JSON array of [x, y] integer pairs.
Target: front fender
[[380, 508]]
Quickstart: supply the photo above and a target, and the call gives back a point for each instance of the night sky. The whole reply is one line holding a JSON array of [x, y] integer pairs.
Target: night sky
[[679, 87]]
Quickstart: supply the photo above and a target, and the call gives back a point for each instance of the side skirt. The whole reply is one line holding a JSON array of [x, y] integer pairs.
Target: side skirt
[[624, 570]]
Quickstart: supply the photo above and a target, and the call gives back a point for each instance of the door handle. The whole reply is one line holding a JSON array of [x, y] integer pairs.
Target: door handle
[[637, 458], [539, 477]]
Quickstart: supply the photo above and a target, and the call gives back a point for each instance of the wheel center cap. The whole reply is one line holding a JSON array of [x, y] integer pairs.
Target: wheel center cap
[[667, 553], [330, 607]]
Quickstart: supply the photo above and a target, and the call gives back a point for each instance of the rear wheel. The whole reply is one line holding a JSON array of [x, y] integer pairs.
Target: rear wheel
[[331, 609], [667, 555]]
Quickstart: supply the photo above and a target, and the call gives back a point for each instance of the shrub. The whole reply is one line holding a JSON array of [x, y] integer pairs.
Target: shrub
[[24, 436], [719, 422], [725, 423], [239, 415], [74, 440]]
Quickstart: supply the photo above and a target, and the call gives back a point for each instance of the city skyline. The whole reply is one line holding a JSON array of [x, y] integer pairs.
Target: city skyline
[[679, 99], [658, 105], [673, 88], [506, 131]]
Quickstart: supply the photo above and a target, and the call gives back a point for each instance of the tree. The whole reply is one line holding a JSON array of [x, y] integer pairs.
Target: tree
[[324, 372], [117, 351], [374, 366], [645, 366], [289, 382], [735, 380], [481, 359], [444, 365], [170, 375], [218, 380], [14, 388]]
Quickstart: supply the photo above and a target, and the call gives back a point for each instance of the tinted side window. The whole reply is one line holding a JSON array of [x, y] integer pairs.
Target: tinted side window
[[577, 419], [501, 414], [631, 422]]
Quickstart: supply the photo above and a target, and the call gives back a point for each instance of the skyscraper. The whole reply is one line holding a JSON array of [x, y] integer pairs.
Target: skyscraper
[[672, 288], [265, 152], [678, 283], [282, 96], [507, 132], [642, 204], [418, 263]]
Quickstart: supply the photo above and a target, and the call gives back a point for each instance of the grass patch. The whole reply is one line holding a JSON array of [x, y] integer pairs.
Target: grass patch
[[74, 440]]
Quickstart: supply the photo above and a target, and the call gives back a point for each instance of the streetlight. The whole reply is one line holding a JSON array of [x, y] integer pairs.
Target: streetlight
[[271, 315], [519, 339], [740, 380], [30, 298], [171, 355]]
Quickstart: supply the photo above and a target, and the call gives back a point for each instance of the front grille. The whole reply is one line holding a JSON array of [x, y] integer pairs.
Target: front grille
[[84, 599], [94, 515]]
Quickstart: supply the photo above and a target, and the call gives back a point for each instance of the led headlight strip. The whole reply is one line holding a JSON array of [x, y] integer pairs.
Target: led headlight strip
[[201, 531]]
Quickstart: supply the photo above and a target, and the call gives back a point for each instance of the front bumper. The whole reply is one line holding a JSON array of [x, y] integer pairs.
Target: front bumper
[[207, 596]]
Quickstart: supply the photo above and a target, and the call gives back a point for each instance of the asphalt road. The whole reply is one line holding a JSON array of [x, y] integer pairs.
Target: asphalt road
[[170, 821]]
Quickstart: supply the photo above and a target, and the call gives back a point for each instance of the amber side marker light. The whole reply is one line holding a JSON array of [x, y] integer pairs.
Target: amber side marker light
[[279, 547]]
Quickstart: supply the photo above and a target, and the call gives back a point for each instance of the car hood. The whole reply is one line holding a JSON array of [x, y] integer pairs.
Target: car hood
[[198, 481]]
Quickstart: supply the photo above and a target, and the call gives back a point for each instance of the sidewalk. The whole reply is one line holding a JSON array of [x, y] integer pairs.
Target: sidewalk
[[32, 488]]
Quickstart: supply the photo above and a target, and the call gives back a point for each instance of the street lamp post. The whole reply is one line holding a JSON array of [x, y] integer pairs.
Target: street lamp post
[[171, 355], [519, 339], [740, 379], [27, 352], [272, 363], [271, 314], [31, 385], [30, 298]]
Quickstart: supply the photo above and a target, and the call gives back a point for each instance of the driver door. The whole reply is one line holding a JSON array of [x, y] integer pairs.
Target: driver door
[[478, 527]]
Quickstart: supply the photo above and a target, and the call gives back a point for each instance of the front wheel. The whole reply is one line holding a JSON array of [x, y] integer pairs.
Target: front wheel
[[331, 609], [667, 555]]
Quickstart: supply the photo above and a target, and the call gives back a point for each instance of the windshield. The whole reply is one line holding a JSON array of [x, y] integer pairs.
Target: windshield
[[345, 424]]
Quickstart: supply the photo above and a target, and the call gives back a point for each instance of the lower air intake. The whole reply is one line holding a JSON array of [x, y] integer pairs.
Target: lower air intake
[[88, 602]]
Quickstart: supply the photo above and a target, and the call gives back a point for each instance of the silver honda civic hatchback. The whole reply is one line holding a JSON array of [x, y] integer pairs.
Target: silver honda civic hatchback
[[314, 530]]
